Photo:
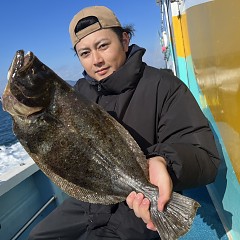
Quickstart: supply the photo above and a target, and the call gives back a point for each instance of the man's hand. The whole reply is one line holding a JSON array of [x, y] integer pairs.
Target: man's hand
[[159, 176]]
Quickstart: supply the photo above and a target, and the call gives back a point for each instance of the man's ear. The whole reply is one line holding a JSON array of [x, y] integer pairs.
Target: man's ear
[[125, 41]]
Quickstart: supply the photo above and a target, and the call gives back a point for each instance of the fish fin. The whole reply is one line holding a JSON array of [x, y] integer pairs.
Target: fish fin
[[177, 217], [73, 189]]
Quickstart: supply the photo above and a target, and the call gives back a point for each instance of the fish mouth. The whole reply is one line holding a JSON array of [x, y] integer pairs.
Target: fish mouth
[[20, 62], [25, 88]]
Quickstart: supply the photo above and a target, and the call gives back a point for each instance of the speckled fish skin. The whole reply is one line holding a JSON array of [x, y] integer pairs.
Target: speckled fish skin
[[80, 147]]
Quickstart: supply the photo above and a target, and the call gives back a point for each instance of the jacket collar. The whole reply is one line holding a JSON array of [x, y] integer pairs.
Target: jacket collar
[[125, 77]]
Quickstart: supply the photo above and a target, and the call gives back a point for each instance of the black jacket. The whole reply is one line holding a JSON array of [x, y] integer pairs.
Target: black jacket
[[162, 115]]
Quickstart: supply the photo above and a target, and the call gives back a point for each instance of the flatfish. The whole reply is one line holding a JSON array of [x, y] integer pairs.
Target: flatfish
[[80, 147]]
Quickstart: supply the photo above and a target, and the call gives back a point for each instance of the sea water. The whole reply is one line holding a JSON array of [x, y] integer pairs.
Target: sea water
[[12, 154]]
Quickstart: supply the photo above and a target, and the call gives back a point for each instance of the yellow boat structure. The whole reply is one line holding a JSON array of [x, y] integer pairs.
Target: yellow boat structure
[[200, 43]]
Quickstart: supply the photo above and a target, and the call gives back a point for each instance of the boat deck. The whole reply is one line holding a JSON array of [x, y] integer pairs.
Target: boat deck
[[207, 224], [33, 198]]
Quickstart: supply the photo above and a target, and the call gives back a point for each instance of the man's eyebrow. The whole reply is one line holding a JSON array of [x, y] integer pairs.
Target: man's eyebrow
[[100, 41], [95, 44], [83, 49]]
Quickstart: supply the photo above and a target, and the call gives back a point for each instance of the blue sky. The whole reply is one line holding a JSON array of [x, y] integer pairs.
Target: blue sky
[[41, 26]]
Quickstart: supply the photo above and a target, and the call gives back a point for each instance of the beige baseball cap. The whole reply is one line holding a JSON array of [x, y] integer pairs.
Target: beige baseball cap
[[106, 19]]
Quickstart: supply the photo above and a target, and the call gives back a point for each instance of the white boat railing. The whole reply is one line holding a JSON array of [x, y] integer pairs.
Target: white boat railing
[[16, 175]]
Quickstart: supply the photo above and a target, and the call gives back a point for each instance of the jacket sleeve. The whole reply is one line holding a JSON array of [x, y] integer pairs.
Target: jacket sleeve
[[184, 137]]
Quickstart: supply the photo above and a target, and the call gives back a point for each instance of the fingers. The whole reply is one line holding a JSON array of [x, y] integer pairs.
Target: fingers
[[140, 206], [151, 226], [130, 199], [137, 208]]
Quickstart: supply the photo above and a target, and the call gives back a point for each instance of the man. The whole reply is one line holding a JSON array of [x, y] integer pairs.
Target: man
[[159, 112]]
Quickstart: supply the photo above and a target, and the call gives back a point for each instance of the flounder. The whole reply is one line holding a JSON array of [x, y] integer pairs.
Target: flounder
[[80, 147]]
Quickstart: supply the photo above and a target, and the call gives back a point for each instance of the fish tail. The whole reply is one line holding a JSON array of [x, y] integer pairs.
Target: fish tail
[[177, 217]]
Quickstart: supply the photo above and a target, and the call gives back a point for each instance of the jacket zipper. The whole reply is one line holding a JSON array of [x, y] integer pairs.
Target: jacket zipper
[[99, 87]]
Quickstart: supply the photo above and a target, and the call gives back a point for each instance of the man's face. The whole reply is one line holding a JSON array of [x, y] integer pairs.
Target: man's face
[[101, 53]]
